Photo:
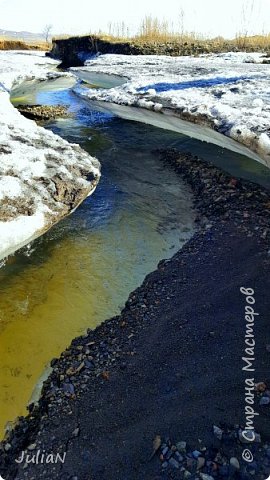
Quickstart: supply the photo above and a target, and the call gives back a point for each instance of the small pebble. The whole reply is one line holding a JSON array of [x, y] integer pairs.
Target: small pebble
[[168, 455], [181, 446], [174, 463], [264, 401], [180, 458], [235, 463], [196, 454], [249, 435], [217, 432], [200, 463], [69, 388], [204, 476], [32, 446], [165, 450]]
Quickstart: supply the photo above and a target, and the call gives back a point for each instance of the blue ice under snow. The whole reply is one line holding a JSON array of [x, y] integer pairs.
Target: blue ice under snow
[[202, 83]]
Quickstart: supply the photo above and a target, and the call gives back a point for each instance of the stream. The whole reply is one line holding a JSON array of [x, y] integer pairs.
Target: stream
[[82, 271]]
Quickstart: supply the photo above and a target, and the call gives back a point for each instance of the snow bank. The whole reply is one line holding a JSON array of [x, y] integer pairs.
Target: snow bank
[[228, 93], [42, 177]]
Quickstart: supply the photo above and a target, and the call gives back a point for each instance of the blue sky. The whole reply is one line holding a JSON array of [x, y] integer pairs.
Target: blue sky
[[209, 17]]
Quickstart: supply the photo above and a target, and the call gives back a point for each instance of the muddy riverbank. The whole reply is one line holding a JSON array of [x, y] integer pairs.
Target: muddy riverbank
[[170, 366], [73, 51]]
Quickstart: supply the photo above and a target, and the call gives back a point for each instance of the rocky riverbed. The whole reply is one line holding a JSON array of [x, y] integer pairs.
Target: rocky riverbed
[[159, 391], [43, 112]]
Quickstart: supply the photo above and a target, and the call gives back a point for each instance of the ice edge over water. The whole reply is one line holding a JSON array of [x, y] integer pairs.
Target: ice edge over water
[[220, 98], [42, 177]]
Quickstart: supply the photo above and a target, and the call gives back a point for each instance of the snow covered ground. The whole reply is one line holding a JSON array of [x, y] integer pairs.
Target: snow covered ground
[[227, 93], [42, 177]]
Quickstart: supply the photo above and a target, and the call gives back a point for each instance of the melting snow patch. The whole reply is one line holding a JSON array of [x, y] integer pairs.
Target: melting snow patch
[[228, 92], [42, 177], [10, 187]]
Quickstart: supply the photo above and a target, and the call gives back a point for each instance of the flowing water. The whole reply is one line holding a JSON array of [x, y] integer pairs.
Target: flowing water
[[83, 269]]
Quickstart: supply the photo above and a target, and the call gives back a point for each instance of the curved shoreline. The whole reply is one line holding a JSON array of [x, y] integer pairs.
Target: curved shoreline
[[224, 93], [197, 126], [43, 177], [172, 120], [110, 390]]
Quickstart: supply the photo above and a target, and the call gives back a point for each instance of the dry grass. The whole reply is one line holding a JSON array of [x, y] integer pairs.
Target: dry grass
[[155, 31], [219, 44], [11, 44], [253, 42], [189, 41]]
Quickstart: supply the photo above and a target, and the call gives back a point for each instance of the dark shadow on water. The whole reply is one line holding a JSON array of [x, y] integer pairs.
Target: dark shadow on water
[[202, 83]]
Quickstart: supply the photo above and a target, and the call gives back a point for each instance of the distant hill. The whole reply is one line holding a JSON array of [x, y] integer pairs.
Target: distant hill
[[23, 35]]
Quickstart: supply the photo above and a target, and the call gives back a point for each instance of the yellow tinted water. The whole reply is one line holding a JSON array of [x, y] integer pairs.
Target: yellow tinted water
[[72, 283], [81, 272]]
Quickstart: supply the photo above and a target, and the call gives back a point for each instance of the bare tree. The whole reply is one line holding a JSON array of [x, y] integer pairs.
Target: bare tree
[[110, 28], [47, 32], [247, 16], [182, 21]]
